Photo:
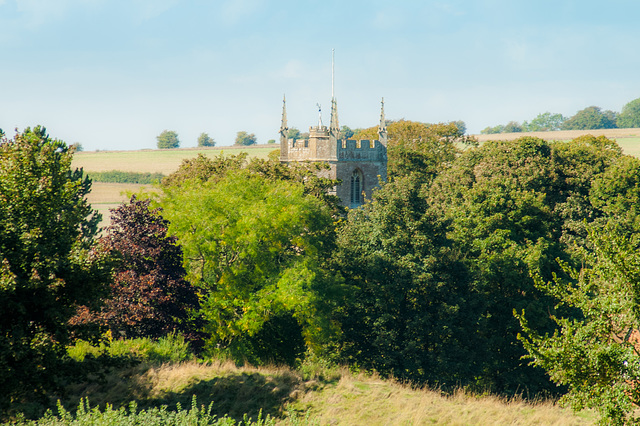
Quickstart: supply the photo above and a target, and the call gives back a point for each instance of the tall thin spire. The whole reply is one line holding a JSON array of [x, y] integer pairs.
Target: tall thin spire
[[333, 72], [382, 128], [334, 127], [284, 132], [283, 123]]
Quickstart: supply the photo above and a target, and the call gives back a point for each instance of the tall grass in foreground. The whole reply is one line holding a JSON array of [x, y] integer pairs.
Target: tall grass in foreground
[[85, 415]]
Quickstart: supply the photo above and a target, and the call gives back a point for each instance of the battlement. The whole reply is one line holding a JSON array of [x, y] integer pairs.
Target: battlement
[[358, 150]]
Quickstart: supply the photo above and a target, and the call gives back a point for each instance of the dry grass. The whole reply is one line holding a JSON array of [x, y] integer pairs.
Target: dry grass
[[156, 160], [370, 401], [343, 399]]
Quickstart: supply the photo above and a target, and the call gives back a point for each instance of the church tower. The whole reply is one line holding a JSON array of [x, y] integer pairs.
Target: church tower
[[359, 165]]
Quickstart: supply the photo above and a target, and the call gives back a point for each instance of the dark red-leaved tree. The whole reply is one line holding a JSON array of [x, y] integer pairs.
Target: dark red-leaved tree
[[150, 296]]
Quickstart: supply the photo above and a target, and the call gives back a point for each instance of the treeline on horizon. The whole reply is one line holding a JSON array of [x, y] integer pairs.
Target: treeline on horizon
[[589, 118], [510, 267]]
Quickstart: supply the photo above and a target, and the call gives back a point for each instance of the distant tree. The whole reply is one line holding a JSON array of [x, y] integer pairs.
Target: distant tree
[[78, 147], [461, 125], [591, 118], [271, 141], [630, 115], [168, 139], [544, 122], [293, 133], [244, 138], [512, 127], [149, 294], [346, 132], [205, 140], [49, 262]]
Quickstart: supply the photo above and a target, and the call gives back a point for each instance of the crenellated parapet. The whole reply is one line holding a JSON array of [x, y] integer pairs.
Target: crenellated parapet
[[362, 150]]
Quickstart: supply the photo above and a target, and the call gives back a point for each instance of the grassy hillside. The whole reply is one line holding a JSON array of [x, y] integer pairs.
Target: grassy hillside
[[335, 397]]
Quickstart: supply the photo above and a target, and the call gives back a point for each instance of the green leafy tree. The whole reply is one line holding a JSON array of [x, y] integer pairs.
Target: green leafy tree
[[149, 295], [515, 207], [205, 140], [407, 314], [271, 141], [544, 122], [591, 118], [595, 353], [630, 115], [168, 139], [48, 260], [244, 138], [255, 248]]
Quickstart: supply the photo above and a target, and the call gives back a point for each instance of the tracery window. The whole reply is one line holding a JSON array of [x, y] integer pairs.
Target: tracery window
[[356, 188]]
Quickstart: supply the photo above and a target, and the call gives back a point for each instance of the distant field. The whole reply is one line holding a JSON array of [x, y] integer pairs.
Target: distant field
[[155, 160]]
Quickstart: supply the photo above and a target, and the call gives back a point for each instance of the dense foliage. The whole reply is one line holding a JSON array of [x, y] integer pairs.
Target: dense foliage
[[48, 260], [254, 248]]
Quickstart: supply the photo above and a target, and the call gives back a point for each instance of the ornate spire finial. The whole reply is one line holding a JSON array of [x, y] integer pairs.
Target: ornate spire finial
[[283, 124], [382, 128], [319, 115]]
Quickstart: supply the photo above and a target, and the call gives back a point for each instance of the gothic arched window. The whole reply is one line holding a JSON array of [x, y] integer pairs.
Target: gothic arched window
[[356, 188]]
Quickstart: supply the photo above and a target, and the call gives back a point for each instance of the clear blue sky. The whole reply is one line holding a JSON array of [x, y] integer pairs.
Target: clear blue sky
[[112, 74]]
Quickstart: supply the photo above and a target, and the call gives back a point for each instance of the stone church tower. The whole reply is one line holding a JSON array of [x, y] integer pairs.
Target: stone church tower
[[358, 164]]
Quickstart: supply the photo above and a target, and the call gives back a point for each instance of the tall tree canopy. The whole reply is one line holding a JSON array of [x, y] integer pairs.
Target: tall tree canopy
[[254, 246], [48, 261]]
